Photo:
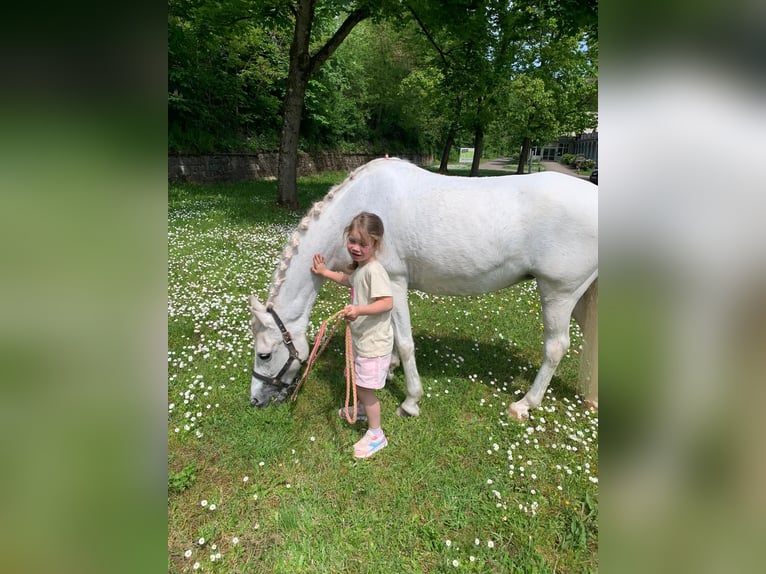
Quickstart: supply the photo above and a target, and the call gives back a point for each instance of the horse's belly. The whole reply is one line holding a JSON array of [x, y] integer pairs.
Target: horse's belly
[[439, 283]]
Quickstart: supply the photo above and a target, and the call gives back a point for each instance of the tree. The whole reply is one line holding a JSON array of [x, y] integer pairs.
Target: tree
[[282, 74], [531, 117], [475, 41], [555, 72], [302, 65]]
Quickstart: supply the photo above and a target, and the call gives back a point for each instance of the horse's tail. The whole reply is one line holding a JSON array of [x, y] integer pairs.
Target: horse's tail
[[587, 317]]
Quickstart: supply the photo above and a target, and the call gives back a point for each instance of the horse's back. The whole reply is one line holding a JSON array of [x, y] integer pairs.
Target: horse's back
[[452, 234], [397, 180]]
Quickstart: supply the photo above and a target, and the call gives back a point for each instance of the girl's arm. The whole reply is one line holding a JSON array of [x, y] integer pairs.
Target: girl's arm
[[380, 305], [319, 268]]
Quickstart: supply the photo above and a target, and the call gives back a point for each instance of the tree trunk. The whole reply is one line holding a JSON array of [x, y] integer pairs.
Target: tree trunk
[[478, 144], [451, 135], [524, 155], [302, 66], [297, 81], [447, 148]]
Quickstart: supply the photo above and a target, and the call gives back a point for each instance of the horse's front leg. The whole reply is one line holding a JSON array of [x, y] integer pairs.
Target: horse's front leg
[[395, 363], [405, 347]]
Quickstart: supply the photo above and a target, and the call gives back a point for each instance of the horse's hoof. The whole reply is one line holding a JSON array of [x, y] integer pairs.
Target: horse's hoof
[[592, 405], [519, 411], [406, 414]]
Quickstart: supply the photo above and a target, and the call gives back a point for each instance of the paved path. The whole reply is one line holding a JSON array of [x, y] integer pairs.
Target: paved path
[[500, 163], [505, 164]]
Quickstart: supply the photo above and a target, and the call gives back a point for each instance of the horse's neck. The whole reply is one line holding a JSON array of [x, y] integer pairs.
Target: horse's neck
[[295, 297], [298, 288]]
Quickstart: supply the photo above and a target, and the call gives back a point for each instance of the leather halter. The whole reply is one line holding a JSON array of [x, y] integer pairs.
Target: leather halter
[[287, 339]]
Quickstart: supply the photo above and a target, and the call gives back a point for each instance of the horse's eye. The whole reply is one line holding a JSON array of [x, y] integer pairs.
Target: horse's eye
[[264, 356]]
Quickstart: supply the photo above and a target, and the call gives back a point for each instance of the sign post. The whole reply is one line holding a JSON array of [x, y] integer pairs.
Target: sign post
[[466, 155]]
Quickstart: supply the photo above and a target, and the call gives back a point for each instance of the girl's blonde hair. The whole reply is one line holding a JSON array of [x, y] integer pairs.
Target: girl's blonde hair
[[369, 225]]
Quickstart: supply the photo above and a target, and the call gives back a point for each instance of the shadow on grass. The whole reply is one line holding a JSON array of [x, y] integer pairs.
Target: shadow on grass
[[439, 360]]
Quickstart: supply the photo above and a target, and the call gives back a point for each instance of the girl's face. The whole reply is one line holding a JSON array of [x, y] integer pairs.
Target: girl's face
[[360, 247]]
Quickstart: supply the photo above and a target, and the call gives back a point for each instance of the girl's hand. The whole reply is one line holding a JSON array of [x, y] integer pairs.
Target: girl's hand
[[350, 312], [319, 265]]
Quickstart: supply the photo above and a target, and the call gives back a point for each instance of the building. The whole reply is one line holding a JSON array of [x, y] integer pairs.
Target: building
[[584, 144]]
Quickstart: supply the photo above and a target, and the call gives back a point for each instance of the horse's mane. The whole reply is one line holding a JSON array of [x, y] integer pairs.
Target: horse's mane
[[313, 214]]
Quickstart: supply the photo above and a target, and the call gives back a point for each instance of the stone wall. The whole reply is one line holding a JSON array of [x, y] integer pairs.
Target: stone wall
[[246, 166]]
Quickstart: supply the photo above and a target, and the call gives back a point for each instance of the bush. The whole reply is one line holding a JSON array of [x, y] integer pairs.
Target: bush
[[568, 158]]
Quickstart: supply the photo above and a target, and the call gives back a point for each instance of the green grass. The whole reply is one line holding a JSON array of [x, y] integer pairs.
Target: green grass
[[288, 494]]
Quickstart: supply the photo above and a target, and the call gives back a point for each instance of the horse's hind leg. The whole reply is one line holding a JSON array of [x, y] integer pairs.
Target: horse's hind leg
[[557, 310], [405, 346]]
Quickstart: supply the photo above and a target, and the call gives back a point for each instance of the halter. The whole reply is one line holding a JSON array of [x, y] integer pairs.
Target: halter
[[288, 341]]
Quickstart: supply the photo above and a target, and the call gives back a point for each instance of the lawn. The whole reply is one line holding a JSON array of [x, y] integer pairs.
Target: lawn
[[277, 490]]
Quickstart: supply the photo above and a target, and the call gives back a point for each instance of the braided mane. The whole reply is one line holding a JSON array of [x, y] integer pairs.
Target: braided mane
[[305, 223]]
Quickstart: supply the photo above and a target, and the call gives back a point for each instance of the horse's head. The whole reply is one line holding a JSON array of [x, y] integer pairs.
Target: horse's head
[[277, 361]]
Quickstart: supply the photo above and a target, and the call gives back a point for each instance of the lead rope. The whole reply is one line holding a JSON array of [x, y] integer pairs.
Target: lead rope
[[317, 350], [350, 380]]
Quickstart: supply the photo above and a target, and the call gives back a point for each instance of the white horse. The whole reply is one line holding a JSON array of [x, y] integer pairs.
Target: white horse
[[444, 235]]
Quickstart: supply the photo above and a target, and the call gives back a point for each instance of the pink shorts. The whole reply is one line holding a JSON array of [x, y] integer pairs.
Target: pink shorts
[[371, 372]]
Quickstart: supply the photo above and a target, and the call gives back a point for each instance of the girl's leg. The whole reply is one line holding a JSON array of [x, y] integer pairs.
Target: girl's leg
[[374, 439], [371, 406]]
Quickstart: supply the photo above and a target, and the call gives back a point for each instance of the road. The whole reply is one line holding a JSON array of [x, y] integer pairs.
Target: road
[[505, 164]]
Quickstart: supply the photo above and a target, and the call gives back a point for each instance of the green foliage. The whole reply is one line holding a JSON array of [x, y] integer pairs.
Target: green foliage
[[552, 83], [225, 68], [399, 82], [181, 480], [532, 107], [374, 95], [582, 525]]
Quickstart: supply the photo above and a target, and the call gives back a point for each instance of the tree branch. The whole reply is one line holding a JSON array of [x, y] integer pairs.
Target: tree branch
[[337, 39], [422, 25]]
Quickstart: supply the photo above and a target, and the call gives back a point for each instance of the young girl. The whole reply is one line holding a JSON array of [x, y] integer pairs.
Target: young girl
[[370, 320]]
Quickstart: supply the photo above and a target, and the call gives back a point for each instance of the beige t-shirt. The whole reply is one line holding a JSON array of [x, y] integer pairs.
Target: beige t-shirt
[[373, 335]]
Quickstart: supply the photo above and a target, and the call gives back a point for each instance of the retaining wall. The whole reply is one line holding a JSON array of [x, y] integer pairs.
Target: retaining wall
[[245, 166]]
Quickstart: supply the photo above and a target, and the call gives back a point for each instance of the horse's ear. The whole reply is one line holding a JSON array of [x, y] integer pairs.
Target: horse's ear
[[258, 309]]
